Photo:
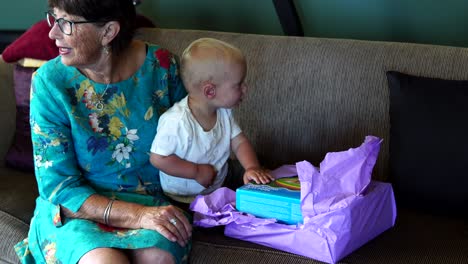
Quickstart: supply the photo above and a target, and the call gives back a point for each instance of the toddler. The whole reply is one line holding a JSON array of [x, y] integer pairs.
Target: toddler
[[195, 137]]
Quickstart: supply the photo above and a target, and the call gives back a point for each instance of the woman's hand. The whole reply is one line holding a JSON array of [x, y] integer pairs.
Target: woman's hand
[[169, 221], [258, 175]]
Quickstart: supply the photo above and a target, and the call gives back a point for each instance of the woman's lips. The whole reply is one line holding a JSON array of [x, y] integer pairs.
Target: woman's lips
[[64, 51]]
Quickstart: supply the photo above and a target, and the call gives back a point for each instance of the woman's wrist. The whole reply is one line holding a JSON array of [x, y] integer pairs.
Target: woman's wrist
[[107, 212], [126, 215]]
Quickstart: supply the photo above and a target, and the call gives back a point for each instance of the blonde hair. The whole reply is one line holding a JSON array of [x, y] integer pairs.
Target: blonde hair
[[205, 59]]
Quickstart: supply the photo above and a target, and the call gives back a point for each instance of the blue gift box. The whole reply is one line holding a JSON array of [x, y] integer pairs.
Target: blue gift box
[[272, 200]]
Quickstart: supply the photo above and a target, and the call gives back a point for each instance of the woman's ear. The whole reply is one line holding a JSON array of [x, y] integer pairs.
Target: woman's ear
[[110, 31], [209, 90]]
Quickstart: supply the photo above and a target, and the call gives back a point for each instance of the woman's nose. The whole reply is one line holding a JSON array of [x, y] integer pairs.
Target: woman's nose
[[54, 31]]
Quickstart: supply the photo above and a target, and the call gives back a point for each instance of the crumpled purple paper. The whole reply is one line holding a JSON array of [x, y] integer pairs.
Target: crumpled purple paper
[[342, 176], [341, 208]]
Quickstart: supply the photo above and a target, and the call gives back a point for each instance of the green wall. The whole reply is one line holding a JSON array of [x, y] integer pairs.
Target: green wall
[[420, 21], [21, 14], [249, 16]]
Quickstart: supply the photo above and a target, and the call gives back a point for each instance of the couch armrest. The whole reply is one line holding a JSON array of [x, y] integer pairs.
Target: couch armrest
[[7, 108]]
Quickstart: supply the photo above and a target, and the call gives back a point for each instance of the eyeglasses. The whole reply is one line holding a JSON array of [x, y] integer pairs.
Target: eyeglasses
[[65, 26]]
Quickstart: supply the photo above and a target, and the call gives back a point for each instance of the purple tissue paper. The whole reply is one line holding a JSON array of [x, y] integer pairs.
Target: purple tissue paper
[[342, 207]]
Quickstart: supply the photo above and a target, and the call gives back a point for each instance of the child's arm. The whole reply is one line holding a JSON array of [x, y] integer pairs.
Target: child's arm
[[246, 155], [173, 165]]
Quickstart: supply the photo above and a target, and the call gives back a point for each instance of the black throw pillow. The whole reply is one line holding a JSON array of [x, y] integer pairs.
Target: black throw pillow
[[429, 143]]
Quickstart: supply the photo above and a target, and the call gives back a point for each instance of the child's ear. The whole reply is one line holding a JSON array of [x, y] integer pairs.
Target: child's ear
[[209, 90]]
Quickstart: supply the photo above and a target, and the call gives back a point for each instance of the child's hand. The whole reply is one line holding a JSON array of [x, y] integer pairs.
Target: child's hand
[[205, 175], [258, 175]]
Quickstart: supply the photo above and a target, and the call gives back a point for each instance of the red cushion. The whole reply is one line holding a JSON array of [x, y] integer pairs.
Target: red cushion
[[36, 44]]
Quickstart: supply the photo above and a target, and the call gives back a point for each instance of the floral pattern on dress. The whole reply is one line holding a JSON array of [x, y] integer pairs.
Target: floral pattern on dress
[[110, 131], [50, 250], [52, 142], [163, 58]]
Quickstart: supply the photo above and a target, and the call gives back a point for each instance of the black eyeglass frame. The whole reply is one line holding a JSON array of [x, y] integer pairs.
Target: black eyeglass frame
[[71, 23]]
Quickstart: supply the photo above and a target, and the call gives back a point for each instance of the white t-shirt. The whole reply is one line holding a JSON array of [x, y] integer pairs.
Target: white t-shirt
[[180, 133]]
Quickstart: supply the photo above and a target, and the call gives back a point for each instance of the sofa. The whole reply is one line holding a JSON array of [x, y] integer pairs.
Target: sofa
[[307, 97]]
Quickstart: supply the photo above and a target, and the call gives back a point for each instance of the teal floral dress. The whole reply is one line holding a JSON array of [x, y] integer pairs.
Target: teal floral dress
[[95, 138]]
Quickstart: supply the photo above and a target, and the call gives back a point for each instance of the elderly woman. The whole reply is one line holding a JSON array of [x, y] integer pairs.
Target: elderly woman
[[94, 112]]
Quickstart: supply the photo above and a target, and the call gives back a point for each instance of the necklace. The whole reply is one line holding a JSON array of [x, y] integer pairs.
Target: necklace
[[99, 104]]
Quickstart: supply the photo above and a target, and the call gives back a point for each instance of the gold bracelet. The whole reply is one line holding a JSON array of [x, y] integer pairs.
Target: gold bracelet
[[107, 211]]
